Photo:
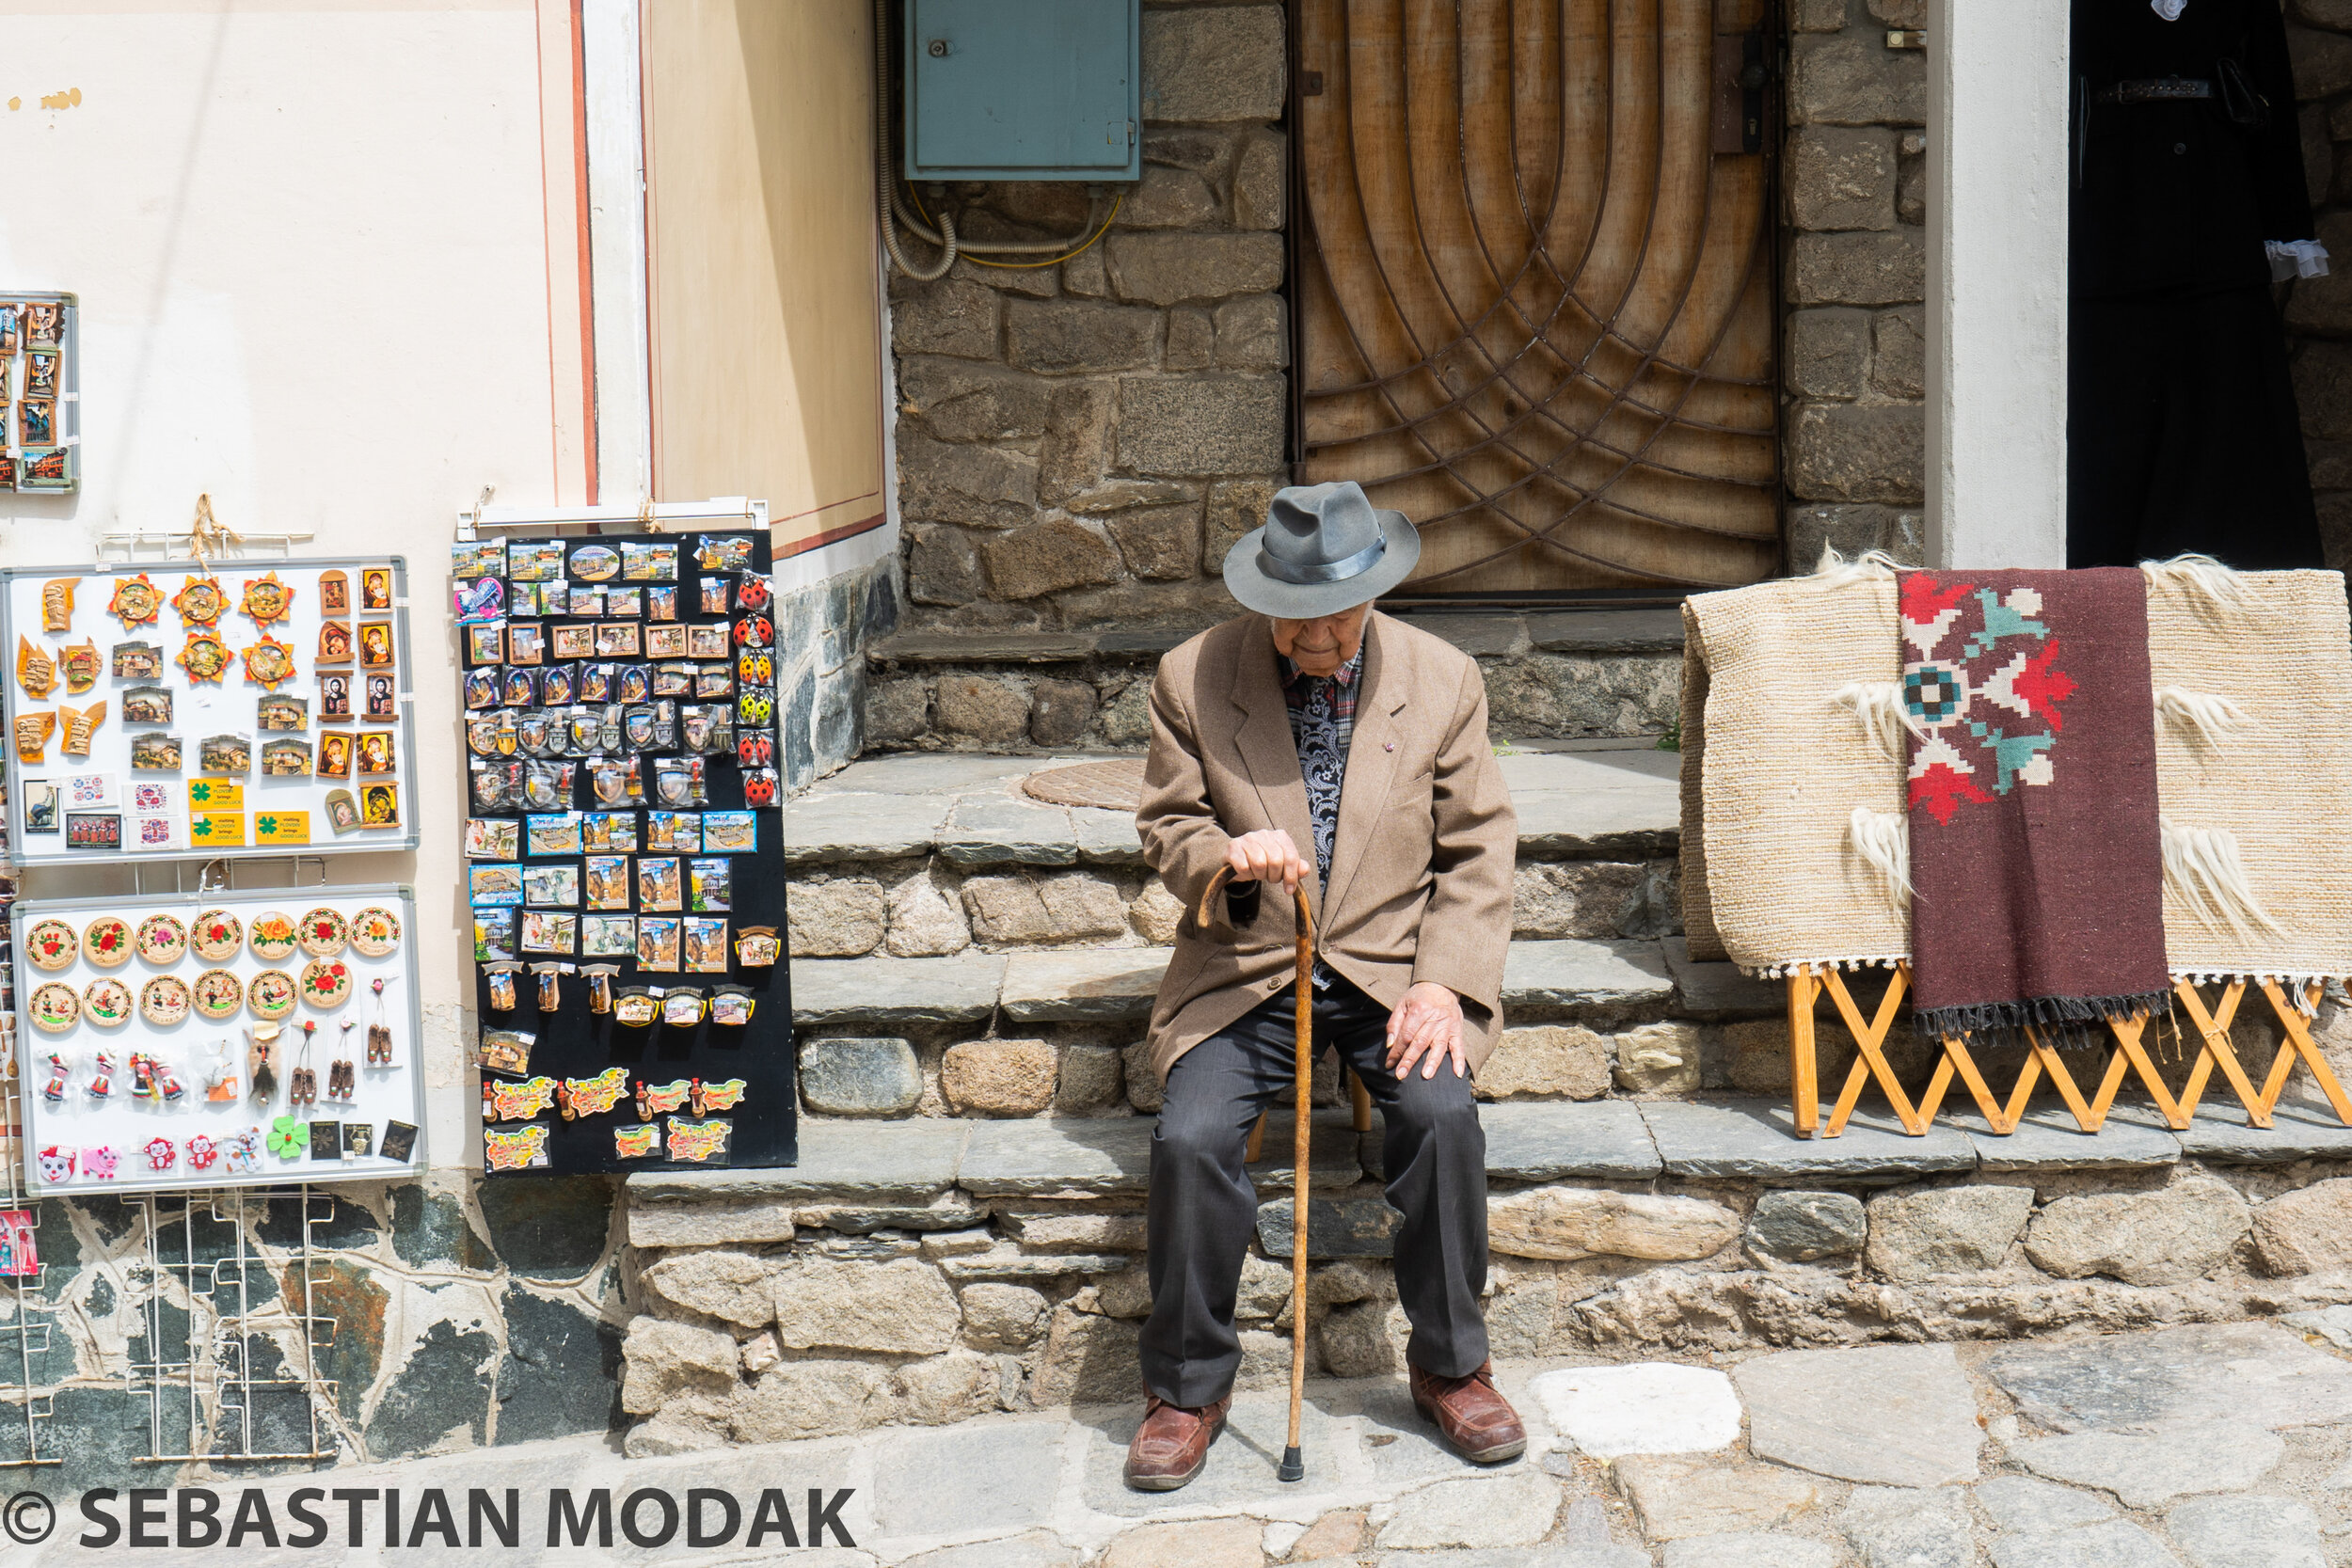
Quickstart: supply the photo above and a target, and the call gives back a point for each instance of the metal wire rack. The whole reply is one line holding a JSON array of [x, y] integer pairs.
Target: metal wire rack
[[24, 1335], [231, 1371]]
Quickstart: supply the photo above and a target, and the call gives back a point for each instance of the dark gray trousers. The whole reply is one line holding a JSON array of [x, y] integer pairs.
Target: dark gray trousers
[[1204, 1211]]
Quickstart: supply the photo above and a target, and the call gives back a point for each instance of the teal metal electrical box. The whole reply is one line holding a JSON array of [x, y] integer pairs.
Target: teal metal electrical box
[[1022, 89]]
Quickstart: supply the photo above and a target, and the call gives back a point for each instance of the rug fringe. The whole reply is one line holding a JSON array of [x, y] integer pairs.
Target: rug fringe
[[2066, 1014], [2297, 986], [1848, 964], [1835, 571], [1878, 706], [2221, 587], [2203, 867], [2202, 719], [1883, 839]]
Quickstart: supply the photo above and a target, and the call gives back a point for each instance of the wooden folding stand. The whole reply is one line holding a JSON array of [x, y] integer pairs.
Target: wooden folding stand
[[2130, 1054]]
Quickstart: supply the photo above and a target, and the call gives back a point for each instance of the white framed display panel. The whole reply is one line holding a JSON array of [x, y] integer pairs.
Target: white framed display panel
[[231, 705], [61, 455], [126, 1123]]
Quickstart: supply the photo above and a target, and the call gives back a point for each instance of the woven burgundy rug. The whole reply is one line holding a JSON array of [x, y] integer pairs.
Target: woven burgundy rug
[[2037, 859]]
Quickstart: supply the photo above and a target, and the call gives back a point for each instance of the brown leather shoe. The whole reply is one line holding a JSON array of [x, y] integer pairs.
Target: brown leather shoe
[[1478, 1421], [1172, 1444]]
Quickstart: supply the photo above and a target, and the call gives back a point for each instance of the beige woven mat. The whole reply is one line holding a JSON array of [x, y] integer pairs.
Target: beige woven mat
[[1782, 768], [2283, 786], [1772, 770]]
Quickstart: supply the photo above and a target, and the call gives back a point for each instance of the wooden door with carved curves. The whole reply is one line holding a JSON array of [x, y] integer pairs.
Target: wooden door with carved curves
[[1535, 285]]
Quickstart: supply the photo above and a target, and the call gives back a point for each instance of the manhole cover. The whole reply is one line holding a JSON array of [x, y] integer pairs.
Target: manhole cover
[[1114, 786]]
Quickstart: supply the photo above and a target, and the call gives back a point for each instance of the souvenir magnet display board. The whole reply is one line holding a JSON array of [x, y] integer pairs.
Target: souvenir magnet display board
[[240, 708], [623, 851], [40, 388], [231, 1039]]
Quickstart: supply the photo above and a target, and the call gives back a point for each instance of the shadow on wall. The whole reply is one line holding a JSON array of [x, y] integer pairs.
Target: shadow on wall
[[2319, 309]]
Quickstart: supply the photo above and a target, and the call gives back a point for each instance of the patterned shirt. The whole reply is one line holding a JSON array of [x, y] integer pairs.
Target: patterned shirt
[[1323, 722]]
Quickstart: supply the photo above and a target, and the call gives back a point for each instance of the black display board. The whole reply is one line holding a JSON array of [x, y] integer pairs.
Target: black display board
[[575, 1047]]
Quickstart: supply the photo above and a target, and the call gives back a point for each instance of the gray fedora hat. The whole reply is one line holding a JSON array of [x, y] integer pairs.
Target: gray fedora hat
[[1324, 548]]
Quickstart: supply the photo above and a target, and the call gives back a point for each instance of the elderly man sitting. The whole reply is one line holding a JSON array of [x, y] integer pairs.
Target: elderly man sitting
[[1315, 720]]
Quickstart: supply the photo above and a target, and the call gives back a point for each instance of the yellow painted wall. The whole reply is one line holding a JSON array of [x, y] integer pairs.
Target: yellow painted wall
[[767, 353]]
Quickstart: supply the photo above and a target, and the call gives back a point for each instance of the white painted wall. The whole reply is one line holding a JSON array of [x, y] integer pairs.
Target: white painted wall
[[313, 263], [1996, 282], [617, 229]]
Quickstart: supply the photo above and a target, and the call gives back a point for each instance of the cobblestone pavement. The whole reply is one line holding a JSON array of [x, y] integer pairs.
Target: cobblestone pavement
[[2220, 1445]]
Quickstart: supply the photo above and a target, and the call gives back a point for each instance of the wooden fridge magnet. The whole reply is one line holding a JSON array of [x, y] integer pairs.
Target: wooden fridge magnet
[[266, 599], [206, 658], [36, 671], [268, 661], [136, 601], [80, 664], [200, 602], [57, 604]]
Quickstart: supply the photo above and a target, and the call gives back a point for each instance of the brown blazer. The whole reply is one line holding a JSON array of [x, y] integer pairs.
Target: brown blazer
[[1420, 872]]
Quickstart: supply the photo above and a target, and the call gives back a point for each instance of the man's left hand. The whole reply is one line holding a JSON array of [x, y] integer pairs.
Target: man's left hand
[[1426, 1027]]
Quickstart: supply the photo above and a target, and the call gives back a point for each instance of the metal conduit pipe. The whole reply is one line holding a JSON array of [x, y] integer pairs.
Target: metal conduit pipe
[[885, 188], [887, 202]]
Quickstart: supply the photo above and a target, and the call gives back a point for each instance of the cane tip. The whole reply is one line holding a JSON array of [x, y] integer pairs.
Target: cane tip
[[1292, 1468]]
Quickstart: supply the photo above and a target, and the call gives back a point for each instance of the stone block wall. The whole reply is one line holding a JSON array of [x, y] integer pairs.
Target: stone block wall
[[464, 1315], [2319, 309], [824, 633], [825, 1316], [1575, 674], [1854, 281], [1078, 444]]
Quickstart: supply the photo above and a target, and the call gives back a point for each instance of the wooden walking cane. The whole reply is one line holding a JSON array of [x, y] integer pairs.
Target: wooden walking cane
[[1293, 1466]]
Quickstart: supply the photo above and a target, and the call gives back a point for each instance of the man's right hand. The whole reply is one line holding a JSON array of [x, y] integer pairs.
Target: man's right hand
[[1266, 855]]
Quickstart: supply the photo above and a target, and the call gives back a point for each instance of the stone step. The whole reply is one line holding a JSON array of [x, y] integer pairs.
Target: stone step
[[1599, 802], [1118, 983], [929, 1167]]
